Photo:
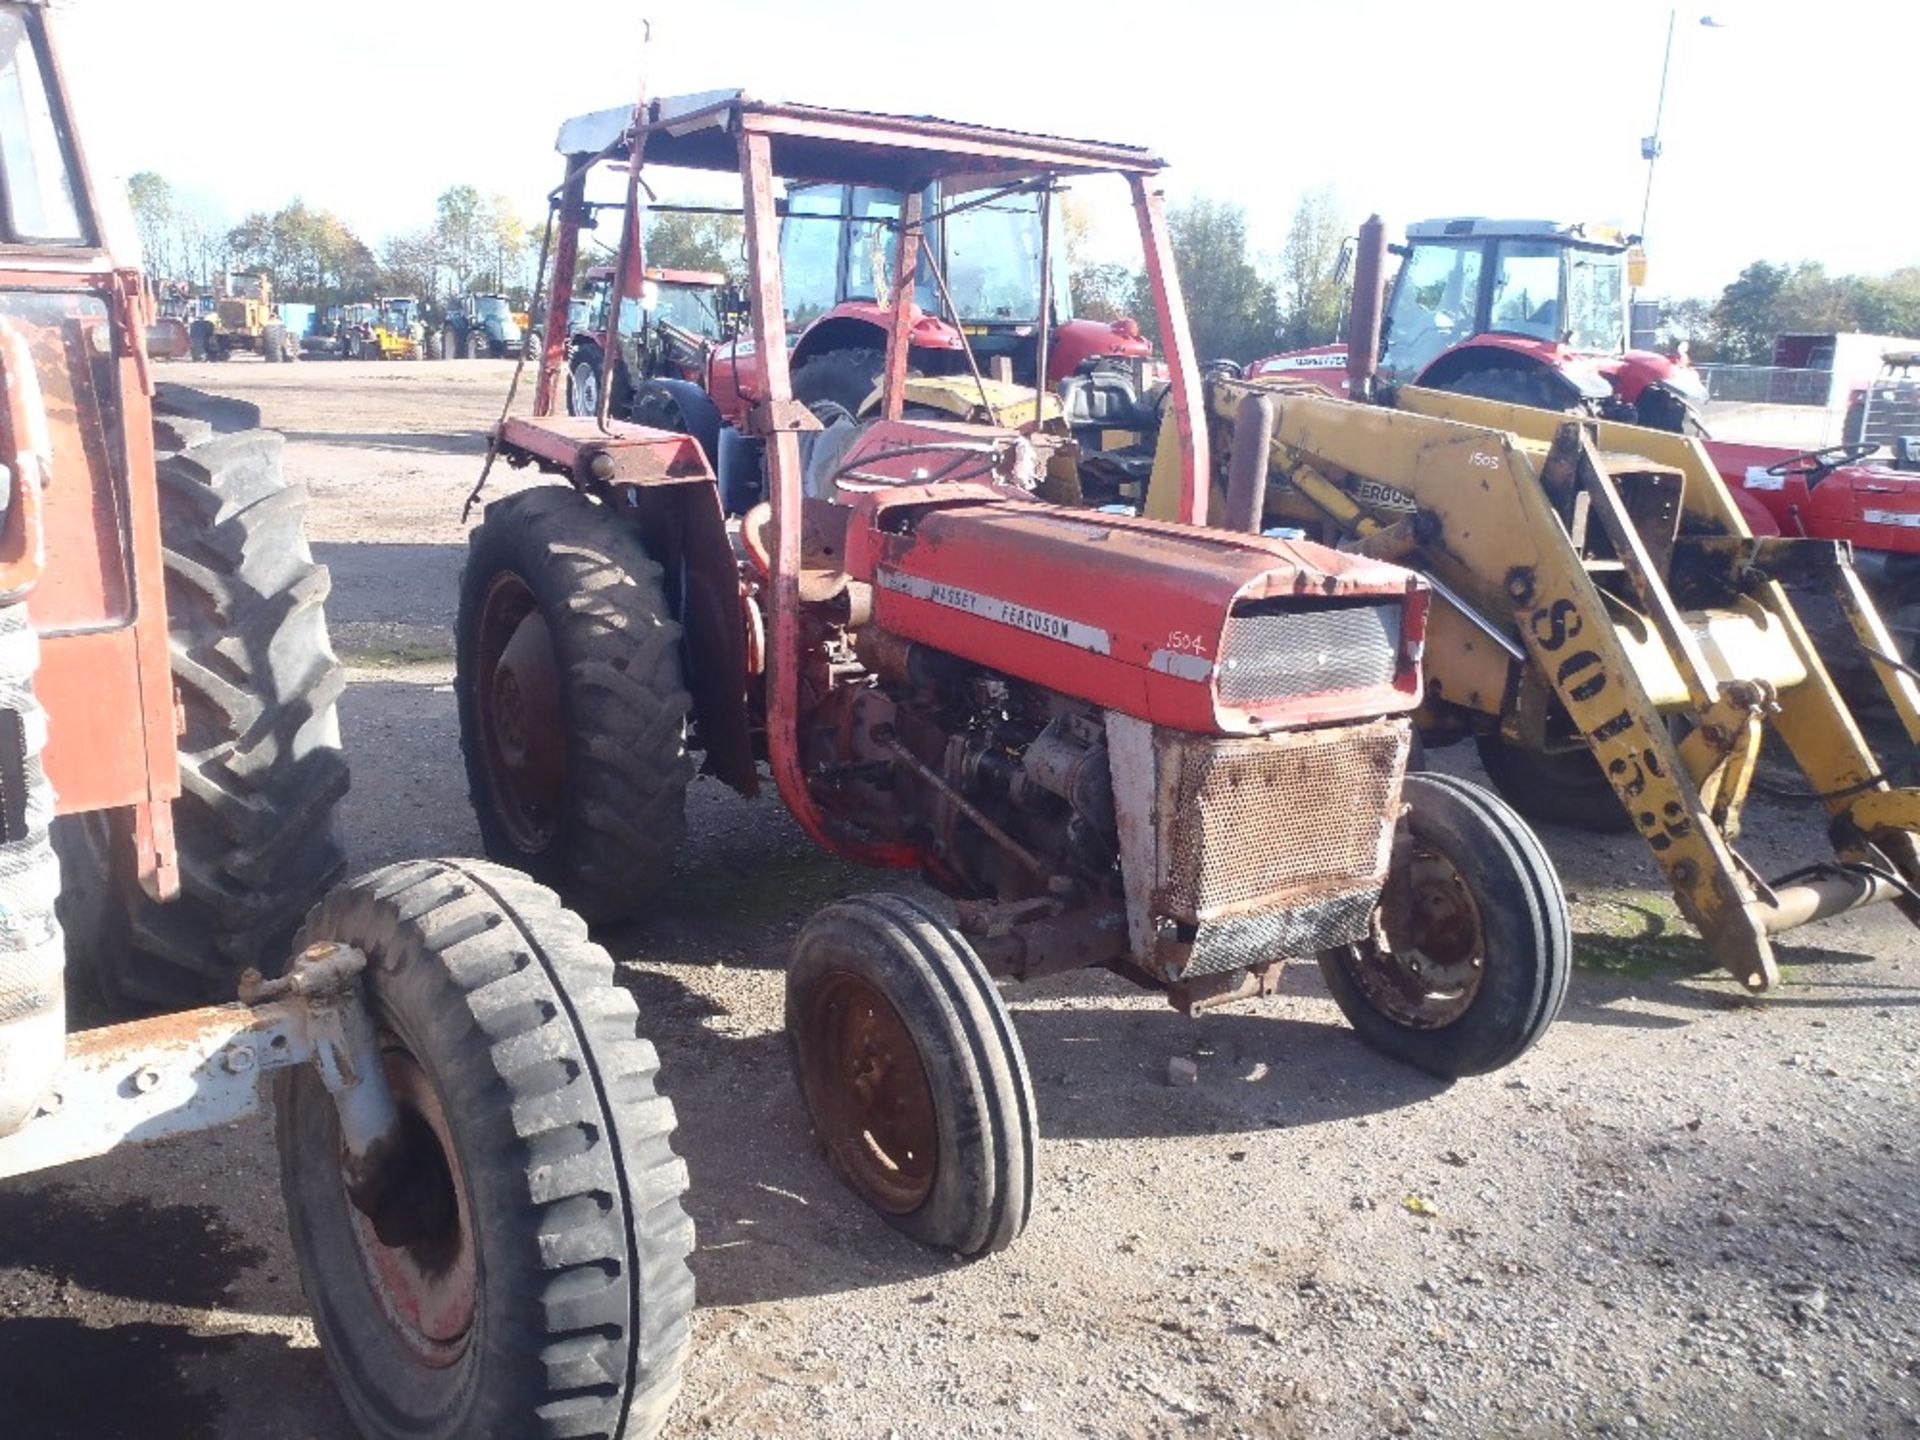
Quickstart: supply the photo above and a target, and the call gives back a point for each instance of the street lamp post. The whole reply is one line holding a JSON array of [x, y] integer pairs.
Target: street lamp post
[[1650, 144]]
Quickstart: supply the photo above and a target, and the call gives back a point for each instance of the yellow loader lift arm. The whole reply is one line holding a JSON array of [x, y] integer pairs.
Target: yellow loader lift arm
[[1600, 590]]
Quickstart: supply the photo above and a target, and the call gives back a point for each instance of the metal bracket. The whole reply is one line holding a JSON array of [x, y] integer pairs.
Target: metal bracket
[[176, 1074]]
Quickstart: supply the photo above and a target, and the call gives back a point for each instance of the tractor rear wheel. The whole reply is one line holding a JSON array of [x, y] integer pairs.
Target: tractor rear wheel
[[573, 706], [474, 346], [261, 768], [846, 377], [199, 340], [33, 1029], [1531, 387], [1567, 787], [530, 1277], [273, 344], [1472, 945], [912, 1072], [436, 343]]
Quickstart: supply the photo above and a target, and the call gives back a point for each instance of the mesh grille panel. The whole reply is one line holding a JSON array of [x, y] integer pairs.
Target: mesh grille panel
[[1258, 823], [1308, 652]]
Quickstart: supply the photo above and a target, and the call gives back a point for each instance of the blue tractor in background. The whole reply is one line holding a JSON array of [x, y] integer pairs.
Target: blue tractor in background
[[482, 327]]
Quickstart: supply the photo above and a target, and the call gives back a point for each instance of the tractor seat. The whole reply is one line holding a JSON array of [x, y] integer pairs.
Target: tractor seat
[[1105, 400], [823, 547]]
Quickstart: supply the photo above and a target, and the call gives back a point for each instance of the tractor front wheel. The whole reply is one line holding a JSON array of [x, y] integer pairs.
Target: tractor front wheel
[[527, 1273], [573, 707], [1471, 945], [474, 347], [913, 1074]]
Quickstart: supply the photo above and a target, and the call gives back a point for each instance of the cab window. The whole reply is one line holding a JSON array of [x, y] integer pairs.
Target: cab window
[[37, 203], [1526, 289], [1435, 302], [810, 251]]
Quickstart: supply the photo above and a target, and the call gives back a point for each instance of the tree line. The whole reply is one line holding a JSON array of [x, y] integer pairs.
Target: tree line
[[475, 241], [1765, 300]]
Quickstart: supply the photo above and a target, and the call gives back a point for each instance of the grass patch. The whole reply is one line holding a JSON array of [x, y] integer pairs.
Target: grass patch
[[1635, 933], [398, 655]]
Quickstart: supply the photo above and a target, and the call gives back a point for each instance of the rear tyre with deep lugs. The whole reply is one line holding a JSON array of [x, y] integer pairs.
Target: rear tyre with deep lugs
[[261, 765]]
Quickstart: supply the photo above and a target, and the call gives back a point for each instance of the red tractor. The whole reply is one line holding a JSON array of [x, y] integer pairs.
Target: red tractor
[[476, 1167], [1533, 312], [1175, 752]]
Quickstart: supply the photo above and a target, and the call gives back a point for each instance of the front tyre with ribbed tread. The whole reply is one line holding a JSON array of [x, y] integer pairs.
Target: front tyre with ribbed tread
[[912, 1073], [536, 1283], [578, 764], [1471, 949], [261, 765]]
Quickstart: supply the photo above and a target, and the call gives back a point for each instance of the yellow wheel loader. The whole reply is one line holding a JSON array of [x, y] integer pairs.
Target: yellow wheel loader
[[1605, 627]]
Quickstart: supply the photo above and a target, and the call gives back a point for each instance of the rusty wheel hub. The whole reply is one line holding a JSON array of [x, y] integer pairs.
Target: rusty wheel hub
[[1425, 961], [518, 713], [425, 1281], [869, 1093]]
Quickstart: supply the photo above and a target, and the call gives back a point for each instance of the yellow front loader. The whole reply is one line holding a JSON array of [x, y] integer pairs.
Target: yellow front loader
[[1605, 626]]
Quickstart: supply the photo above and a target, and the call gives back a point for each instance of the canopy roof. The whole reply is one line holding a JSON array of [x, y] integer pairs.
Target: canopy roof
[[811, 142]]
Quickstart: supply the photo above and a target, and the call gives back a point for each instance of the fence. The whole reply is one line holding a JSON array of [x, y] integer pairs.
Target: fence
[[1767, 385]]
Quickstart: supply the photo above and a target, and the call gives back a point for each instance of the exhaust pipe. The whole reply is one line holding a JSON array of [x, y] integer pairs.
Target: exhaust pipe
[[1369, 303]]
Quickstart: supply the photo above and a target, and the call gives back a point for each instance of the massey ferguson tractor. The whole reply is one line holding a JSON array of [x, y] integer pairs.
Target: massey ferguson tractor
[[1173, 752], [1532, 312], [483, 1201]]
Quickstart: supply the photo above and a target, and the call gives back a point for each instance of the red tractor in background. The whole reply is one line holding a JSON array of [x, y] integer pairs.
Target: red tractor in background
[[1532, 312], [1174, 752], [476, 1168], [988, 243]]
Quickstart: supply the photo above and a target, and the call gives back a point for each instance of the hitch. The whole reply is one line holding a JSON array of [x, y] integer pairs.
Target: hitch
[[171, 1075]]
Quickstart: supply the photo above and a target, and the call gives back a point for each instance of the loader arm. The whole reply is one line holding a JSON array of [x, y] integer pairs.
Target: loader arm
[[1602, 572]]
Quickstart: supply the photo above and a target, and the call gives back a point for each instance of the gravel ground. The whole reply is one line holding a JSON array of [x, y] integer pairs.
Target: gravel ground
[[1684, 1213]]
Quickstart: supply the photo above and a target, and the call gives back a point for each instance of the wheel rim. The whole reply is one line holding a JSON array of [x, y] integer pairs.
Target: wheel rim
[[869, 1093], [516, 697], [586, 390], [427, 1284], [1425, 962]]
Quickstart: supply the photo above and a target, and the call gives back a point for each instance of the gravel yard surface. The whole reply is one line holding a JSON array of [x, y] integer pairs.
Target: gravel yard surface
[[1684, 1213]]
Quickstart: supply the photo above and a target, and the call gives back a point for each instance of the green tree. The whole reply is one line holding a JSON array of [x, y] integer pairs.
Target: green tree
[[151, 198], [461, 232], [1103, 292], [696, 242], [1312, 292], [1746, 316], [1231, 309]]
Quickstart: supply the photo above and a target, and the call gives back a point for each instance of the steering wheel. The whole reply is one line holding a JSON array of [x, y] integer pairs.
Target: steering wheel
[[1818, 464]]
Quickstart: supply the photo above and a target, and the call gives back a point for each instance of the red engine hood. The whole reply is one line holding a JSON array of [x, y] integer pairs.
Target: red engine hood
[[1153, 620], [1324, 365]]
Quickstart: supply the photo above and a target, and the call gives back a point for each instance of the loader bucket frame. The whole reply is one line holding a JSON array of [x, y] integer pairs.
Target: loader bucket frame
[[1495, 502]]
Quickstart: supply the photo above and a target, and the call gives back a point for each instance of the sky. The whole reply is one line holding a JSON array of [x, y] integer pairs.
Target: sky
[[1787, 130]]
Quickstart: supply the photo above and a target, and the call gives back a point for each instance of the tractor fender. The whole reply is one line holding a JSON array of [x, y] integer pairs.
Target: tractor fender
[[1638, 369], [1077, 341], [860, 325], [1582, 385], [698, 415], [683, 530]]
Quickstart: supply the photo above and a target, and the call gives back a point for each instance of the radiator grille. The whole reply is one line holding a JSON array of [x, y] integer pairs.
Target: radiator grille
[[1277, 821], [1280, 654]]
